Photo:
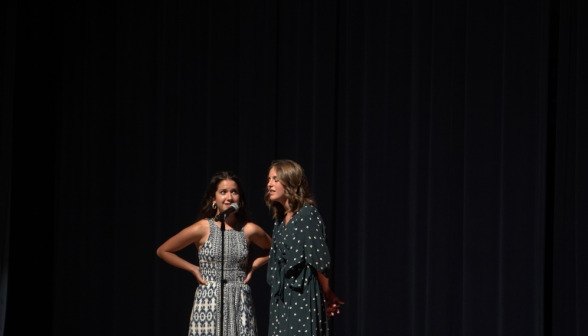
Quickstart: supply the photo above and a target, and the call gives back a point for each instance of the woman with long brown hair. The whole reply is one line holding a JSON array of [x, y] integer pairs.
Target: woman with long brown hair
[[299, 262], [239, 317]]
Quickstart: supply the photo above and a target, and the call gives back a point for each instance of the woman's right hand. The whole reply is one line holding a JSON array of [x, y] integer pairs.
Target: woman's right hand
[[198, 276], [193, 234]]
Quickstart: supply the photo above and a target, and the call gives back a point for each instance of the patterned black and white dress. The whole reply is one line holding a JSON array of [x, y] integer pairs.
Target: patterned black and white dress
[[299, 250], [239, 312]]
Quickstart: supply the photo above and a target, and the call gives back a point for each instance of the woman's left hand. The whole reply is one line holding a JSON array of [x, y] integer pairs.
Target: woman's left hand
[[249, 274], [333, 303]]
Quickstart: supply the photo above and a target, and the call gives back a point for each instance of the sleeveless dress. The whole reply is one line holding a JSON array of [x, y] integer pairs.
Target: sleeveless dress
[[239, 312], [299, 250]]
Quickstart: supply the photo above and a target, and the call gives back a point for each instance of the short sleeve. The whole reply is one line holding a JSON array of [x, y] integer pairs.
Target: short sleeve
[[312, 248]]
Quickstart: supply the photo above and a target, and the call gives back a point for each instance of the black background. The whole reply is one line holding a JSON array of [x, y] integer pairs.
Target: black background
[[446, 143]]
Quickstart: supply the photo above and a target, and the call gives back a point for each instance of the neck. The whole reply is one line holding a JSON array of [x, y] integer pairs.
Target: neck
[[286, 206], [231, 220]]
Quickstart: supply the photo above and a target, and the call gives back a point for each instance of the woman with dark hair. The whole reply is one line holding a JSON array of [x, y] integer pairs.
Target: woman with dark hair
[[299, 261], [239, 315]]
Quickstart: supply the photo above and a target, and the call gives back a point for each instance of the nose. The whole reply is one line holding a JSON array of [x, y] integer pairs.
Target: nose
[[269, 183]]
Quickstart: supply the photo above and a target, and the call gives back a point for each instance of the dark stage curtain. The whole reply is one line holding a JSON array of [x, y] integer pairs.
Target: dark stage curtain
[[7, 62], [568, 209], [445, 142]]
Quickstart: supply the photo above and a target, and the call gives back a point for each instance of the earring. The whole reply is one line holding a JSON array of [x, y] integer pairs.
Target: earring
[[214, 205]]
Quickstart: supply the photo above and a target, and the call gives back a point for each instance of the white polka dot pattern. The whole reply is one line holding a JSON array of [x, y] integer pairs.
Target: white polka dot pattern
[[299, 250]]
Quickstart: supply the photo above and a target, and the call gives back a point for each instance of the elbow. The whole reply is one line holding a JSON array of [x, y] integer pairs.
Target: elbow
[[160, 252]]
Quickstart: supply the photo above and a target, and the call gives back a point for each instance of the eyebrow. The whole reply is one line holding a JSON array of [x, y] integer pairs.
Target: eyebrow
[[232, 190]]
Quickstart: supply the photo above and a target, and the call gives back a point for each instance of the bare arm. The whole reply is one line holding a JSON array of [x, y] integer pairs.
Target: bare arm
[[333, 302], [192, 234], [257, 235]]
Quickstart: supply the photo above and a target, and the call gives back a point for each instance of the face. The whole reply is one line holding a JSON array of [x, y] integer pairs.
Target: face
[[275, 187], [226, 194]]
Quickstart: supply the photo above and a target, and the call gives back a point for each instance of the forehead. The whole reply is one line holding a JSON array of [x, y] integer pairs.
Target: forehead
[[272, 172], [227, 185]]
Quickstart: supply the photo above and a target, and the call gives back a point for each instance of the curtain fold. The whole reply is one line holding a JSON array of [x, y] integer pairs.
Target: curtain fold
[[7, 63], [570, 180]]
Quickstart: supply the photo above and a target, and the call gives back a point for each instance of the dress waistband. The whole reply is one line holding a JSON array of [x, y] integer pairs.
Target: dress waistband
[[231, 275]]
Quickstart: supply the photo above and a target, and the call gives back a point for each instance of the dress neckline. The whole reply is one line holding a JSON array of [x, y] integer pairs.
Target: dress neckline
[[290, 221], [212, 222]]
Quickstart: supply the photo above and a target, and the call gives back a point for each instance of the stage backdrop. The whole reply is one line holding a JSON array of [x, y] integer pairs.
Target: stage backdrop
[[445, 142]]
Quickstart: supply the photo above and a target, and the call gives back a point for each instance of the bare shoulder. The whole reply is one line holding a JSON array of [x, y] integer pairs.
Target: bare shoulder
[[200, 226], [252, 228], [257, 235]]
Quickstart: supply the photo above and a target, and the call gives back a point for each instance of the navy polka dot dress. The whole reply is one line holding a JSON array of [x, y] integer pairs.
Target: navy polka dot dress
[[298, 251]]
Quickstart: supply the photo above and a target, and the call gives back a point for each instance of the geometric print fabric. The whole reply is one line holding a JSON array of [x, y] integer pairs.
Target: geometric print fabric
[[239, 311]]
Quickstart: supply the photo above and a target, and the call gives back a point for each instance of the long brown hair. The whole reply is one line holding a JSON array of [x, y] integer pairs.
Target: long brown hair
[[206, 209], [291, 176]]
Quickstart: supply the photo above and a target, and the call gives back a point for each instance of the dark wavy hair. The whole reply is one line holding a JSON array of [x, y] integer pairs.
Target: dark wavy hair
[[291, 176], [206, 209]]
